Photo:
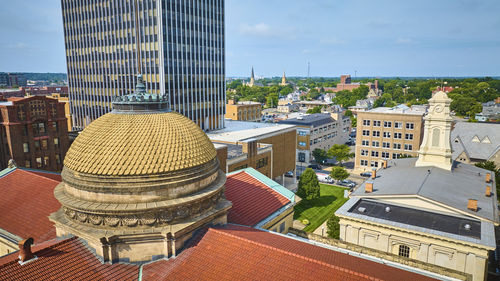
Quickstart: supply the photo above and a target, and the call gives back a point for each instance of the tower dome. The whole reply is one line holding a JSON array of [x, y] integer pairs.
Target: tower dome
[[139, 173]]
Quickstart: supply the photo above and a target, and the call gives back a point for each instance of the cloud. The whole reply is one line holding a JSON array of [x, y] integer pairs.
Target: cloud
[[259, 29]]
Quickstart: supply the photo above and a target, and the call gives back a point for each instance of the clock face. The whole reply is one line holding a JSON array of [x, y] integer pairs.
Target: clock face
[[438, 108]]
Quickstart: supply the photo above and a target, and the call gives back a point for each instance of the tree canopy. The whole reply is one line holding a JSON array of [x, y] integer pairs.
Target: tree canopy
[[319, 155], [339, 173], [341, 152], [308, 185], [333, 225]]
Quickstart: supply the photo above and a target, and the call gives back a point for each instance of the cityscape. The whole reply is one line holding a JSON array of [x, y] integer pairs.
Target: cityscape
[[277, 140]]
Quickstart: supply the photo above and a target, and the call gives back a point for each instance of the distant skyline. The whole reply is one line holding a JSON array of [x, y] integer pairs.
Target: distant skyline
[[374, 38]]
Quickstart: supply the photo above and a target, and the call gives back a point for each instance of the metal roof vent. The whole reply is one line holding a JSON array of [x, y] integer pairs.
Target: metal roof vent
[[467, 226], [361, 209], [387, 209]]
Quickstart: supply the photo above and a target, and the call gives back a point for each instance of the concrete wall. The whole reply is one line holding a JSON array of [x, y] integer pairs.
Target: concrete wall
[[456, 255]]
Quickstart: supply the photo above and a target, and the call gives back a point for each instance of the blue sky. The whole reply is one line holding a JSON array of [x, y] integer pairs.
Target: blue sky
[[372, 37]]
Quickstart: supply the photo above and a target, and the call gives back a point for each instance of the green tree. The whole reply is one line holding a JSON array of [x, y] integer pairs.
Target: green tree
[[348, 113], [341, 152], [316, 109], [272, 100], [319, 155], [308, 185], [339, 173], [333, 225]]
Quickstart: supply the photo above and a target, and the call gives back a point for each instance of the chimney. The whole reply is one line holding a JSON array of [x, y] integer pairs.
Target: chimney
[[374, 173], [488, 191], [488, 177], [384, 164], [25, 253], [368, 187], [472, 205]]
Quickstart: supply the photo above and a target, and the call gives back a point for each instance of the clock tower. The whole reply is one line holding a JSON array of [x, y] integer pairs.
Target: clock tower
[[436, 149]]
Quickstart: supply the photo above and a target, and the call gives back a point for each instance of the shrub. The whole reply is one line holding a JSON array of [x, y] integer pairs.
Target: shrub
[[333, 227]]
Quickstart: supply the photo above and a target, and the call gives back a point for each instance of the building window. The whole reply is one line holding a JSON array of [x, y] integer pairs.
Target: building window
[[408, 147], [398, 135], [375, 144], [44, 144], [409, 136], [25, 130], [385, 155], [39, 128], [404, 251], [364, 152], [410, 126], [37, 144], [27, 164], [387, 124], [366, 133], [39, 162], [301, 143], [261, 162], [376, 133], [302, 157], [241, 167], [26, 147], [282, 227], [398, 125], [54, 125], [386, 145], [395, 156], [364, 162], [374, 153], [396, 146], [46, 160], [374, 164], [366, 122], [58, 159], [365, 143], [302, 133], [56, 142], [376, 123], [387, 134]]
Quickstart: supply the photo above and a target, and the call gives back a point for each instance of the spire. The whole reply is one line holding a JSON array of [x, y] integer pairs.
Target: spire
[[436, 149], [252, 79], [283, 79]]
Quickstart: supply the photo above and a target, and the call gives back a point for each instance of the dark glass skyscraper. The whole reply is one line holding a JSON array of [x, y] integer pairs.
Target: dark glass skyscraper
[[178, 45]]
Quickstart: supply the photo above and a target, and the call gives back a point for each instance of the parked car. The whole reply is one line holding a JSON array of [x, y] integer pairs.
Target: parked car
[[289, 174], [324, 178], [314, 166], [366, 174], [347, 183]]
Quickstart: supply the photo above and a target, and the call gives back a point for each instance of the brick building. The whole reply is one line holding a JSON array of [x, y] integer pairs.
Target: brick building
[[243, 110], [33, 132], [387, 133]]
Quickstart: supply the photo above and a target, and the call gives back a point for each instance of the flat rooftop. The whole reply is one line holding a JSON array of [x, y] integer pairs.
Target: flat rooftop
[[233, 150], [451, 188], [400, 109], [316, 119], [236, 131]]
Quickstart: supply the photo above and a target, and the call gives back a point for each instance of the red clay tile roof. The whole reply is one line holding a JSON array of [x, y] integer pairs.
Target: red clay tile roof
[[49, 175], [242, 253], [67, 260], [252, 200], [26, 201]]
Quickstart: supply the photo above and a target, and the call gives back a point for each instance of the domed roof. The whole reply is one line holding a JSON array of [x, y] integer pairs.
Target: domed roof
[[139, 144]]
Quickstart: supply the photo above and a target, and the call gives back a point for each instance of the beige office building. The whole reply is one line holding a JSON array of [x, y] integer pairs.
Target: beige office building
[[387, 133]]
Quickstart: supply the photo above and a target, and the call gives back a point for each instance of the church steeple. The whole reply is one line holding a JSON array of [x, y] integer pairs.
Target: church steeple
[[283, 79], [436, 149], [252, 79]]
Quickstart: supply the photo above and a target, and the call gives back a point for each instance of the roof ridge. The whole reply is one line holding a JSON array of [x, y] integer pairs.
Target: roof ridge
[[37, 175], [219, 231]]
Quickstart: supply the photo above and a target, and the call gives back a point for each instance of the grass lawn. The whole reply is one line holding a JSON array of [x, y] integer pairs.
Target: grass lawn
[[320, 209]]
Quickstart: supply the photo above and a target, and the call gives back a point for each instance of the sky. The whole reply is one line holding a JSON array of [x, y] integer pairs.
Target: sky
[[373, 38]]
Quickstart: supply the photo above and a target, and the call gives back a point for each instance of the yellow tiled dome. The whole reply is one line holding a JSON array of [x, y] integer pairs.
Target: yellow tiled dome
[[139, 144]]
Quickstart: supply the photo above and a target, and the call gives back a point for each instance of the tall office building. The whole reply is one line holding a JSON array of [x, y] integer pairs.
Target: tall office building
[[178, 46]]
